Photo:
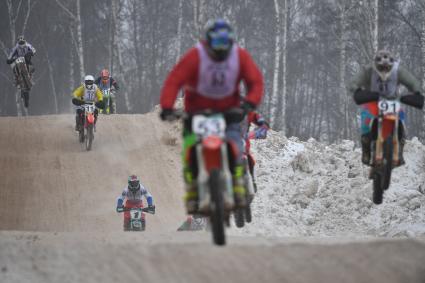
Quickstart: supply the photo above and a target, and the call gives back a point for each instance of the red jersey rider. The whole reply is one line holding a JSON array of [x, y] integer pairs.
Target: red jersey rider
[[260, 132], [210, 74]]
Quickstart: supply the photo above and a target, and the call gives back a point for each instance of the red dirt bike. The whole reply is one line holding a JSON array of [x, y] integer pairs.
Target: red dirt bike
[[136, 217], [386, 144], [86, 129], [212, 154]]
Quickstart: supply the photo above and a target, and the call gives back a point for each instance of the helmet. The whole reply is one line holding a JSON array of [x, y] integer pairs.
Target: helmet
[[21, 40], [104, 74], [219, 39], [383, 63], [89, 81], [133, 183]]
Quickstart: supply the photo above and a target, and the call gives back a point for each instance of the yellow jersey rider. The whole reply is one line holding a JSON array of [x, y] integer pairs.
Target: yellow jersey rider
[[87, 92]]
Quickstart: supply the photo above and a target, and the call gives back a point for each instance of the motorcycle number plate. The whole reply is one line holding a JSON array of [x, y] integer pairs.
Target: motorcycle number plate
[[20, 60], [106, 92], [209, 125], [389, 107], [89, 108], [135, 214]]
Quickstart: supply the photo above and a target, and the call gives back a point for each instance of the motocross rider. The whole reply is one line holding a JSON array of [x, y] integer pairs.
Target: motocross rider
[[21, 49], [210, 74], [260, 132], [106, 81], [131, 197], [383, 77], [87, 92]]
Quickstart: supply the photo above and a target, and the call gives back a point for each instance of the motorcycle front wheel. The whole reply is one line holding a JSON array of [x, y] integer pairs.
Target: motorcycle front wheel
[[216, 184], [89, 137]]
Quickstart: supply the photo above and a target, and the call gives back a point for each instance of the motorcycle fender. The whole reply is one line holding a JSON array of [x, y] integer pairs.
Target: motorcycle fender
[[388, 127], [211, 152], [90, 118]]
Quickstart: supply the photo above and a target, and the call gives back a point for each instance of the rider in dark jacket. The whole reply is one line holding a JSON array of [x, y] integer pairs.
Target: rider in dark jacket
[[22, 49]]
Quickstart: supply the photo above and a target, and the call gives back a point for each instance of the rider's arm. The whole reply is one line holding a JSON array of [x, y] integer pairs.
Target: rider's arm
[[252, 78], [31, 48], [185, 69], [409, 81], [114, 84], [79, 92], [12, 54], [360, 81], [99, 95], [147, 195]]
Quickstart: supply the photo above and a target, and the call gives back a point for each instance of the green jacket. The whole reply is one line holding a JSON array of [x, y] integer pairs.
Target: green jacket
[[362, 80]]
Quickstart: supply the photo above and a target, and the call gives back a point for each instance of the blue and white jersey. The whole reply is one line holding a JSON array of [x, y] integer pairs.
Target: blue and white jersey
[[136, 196], [21, 51]]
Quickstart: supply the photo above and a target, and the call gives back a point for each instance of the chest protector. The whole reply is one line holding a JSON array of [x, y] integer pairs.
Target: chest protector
[[217, 80], [386, 88], [135, 197], [90, 94], [104, 86]]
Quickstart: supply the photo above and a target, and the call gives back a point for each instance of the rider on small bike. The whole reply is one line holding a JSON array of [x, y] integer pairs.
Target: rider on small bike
[[106, 81], [87, 92], [21, 49], [383, 77], [210, 74], [260, 132], [132, 197]]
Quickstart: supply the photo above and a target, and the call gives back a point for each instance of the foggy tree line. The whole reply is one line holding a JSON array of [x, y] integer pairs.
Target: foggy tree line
[[307, 51]]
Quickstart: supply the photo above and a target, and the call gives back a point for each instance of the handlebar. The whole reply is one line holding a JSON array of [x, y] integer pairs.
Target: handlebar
[[144, 209], [233, 115], [412, 99]]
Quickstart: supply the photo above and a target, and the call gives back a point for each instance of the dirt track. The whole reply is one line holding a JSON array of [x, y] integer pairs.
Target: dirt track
[[58, 222]]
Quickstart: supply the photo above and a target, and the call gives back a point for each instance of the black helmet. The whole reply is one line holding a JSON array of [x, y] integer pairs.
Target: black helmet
[[133, 183], [383, 63], [219, 39], [21, 40]]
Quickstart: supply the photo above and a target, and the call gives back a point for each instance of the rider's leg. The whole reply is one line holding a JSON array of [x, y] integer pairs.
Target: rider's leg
[[189, 169], [78, 122], [367, 136]]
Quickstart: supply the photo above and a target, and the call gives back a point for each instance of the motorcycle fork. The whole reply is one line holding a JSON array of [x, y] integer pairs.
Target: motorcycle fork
[[396, 143], [379, 143], [203, 178]]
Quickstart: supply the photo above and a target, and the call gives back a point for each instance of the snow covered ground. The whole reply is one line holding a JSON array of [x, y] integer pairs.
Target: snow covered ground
[[310, 189]]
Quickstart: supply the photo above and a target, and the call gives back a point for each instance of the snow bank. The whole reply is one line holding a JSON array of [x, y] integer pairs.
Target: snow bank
[[310, 189]]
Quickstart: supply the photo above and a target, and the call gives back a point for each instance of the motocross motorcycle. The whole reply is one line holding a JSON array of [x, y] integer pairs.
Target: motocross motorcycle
[[87, 127], [386, 127], [108, 95], [244, 214], [137, 217], [21, 71], [212, 154]]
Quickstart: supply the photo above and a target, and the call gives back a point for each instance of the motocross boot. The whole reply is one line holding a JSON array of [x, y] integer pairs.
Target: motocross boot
[[239, 189], [191, 195], [77, 123], [366, 141]]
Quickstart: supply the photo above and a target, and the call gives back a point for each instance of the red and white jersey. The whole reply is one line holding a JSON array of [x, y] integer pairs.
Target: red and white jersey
[[211, 84]]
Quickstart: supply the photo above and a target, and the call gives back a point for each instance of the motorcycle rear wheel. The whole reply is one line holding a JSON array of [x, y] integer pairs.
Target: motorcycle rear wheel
[[216, 184]]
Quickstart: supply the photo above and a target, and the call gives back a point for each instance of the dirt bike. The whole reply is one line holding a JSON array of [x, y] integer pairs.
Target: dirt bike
[[108, 95], [245, 215], [214, 179], [24, 78], [86, 129], [137, 219], [385, 147]]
